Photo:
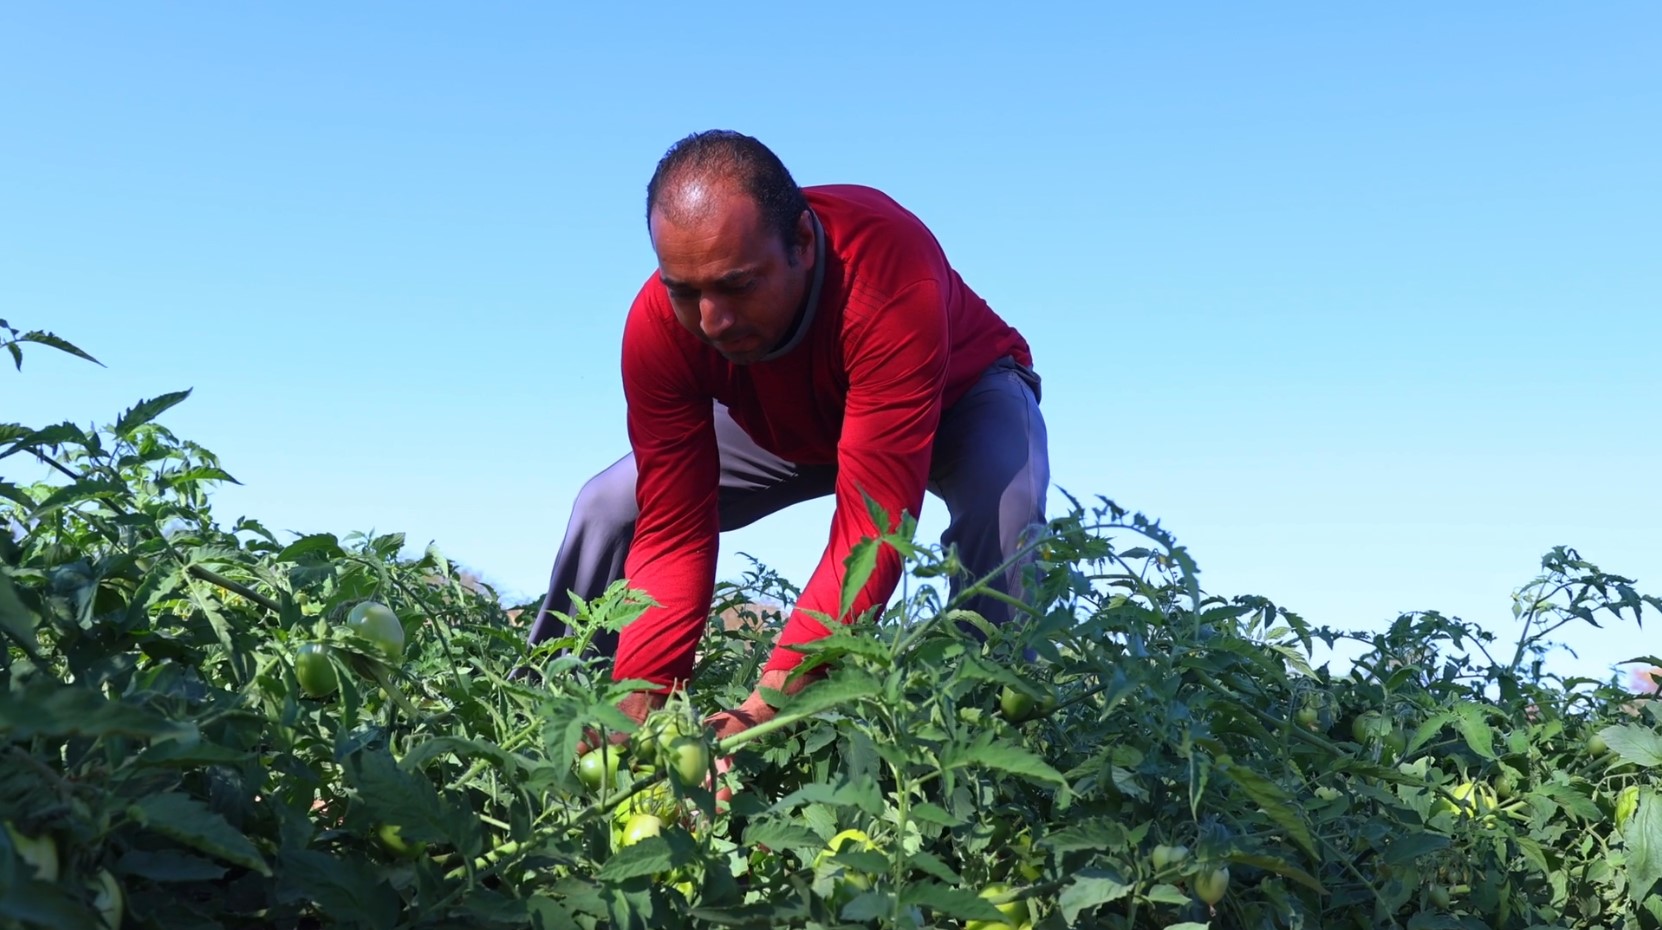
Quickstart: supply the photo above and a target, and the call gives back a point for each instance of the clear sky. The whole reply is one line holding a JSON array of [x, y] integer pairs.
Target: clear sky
[[1360, 301]]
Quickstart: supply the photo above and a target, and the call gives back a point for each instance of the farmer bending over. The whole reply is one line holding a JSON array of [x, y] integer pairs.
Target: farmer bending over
[[793, 343]]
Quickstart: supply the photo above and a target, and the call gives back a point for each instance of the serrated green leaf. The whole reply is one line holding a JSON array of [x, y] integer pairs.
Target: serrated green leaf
[[348, 890], [931, 864], [1275, 803], [1409, 846], [1642, 834], [16, 619], [1165, 893], [324, 545], [1638, 745], [90, 489], [928, 812], [170, 865], [186, 820], [1285, 869], [1474, 727], [858, 568], [648, 855], [145, 411], [54, 435], [1004, 757], [1090, 888], [779, 834], [57, 342], [949, 901], [844, 687]]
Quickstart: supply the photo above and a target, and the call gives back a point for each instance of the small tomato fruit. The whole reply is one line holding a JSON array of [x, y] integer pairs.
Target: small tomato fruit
[[689, 761], [597, 767], [1164, 855], [315, 671], [380, 625], [1211, 884], [639, 827]]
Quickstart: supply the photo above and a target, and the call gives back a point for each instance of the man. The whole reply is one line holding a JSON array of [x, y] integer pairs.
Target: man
[[794, 343]]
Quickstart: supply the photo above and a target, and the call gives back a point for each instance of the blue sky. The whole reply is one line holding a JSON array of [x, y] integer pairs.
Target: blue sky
[[1360, 302]]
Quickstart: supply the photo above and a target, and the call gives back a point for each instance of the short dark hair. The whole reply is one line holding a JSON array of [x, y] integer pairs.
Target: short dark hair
[[739, 158]]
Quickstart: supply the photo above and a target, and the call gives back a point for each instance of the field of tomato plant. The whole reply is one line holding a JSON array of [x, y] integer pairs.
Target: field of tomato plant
[[206, 726]]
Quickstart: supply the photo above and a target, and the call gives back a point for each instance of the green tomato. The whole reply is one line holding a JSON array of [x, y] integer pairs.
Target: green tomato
[[1211, 884], [1017, 911], [639, 827], [856, 839], [1471, 799], [1017, 706], [652, 738], [1369, 727], [392, 838], [314, 670], [597, 767], [1309, 716], [108, 899], [1438, 894], [1627, 804], [40, 853], [689, 761], [380, 625], [1164, 855], [1596, 746]]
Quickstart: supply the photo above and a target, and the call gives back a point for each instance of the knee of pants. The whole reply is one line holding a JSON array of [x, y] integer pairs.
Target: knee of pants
[[607, 501]]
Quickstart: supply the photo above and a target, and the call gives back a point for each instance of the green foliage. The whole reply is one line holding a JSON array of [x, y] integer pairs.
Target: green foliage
[[153, 729]]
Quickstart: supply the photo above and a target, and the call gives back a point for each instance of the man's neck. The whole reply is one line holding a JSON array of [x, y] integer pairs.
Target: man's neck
[[810, 301]]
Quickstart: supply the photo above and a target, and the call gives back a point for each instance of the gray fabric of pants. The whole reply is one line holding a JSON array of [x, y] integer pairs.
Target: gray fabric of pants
[[990, 466]]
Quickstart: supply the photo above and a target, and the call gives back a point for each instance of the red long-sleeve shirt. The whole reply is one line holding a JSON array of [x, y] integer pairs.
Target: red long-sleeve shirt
[[896, 337]]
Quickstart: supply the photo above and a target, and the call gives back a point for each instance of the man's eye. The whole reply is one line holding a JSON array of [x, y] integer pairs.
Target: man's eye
[[682, 293]]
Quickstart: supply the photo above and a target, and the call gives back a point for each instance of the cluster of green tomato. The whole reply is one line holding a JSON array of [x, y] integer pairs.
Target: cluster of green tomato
[[314, 666], [670, 739]]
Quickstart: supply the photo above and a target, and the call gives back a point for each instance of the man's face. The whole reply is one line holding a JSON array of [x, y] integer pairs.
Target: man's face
[[729, 278]]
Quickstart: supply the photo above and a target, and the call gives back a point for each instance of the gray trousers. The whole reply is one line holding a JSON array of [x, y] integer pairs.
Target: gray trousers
[[990, 466]]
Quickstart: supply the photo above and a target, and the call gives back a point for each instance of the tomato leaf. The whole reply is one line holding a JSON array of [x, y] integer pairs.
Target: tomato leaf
[[952, 902], [859, 565], [184, 819], [1643, 836], [1638, 745], [1090, 888], [931, 864], [145, 411], [348, 890], [1469, 719], [16, 619], [1275, 803], [1005, 757]]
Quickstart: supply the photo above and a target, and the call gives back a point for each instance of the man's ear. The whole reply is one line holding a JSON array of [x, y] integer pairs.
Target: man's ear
[[804, 243]]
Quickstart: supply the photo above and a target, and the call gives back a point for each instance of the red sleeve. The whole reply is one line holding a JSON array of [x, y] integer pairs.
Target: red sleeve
[[672, 556], [897, 366]]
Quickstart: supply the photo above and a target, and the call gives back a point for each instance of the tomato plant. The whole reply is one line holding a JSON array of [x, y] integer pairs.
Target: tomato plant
[[1180, 758]]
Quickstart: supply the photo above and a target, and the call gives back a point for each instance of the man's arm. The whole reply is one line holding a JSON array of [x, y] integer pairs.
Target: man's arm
[[897, 365], [672, 556]]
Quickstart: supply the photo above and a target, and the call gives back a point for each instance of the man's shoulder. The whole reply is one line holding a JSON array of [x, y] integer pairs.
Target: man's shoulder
[[857, 202]]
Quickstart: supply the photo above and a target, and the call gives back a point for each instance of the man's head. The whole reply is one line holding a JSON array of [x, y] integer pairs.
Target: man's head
[[734, 241]]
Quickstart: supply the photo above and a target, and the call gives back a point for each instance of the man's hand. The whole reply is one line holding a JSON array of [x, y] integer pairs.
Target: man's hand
[[635, 706], [755, 709]]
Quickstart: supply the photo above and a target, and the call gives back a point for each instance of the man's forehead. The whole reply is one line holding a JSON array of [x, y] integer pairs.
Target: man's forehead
[[702, 199]]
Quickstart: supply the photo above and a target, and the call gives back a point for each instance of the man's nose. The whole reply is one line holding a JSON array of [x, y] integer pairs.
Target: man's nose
[[714, 318]]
